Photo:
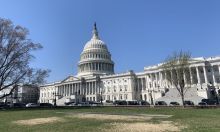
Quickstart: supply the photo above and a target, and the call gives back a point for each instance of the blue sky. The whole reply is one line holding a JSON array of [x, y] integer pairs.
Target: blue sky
[[138, 33]]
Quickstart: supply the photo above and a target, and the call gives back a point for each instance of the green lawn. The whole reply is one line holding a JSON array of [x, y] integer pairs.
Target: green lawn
[[194, 119]]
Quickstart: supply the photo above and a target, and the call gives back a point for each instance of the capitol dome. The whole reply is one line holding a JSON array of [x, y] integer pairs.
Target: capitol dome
[[95, 58]]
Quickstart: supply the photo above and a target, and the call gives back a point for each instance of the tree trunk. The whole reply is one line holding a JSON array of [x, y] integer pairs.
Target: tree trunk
[[182, 97]]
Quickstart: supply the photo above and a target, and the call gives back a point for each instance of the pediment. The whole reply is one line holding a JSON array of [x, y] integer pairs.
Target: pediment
[[70, 79]]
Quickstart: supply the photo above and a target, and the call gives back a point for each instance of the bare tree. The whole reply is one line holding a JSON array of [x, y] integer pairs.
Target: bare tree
[[176, 68], [15, 58]]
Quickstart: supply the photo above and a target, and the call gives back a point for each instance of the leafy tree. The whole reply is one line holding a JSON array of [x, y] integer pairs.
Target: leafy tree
[[15, 58], [176, 68]]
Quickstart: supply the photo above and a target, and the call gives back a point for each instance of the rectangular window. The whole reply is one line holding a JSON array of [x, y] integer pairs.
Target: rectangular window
[[125, 96], [120, 96], [125, 86]]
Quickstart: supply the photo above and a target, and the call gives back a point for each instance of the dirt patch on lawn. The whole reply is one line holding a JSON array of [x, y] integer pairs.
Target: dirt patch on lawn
[[38, 121], [111, 117], [141, 117], [164, 126]]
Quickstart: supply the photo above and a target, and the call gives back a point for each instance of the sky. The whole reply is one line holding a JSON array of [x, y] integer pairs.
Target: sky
[[138, 33]]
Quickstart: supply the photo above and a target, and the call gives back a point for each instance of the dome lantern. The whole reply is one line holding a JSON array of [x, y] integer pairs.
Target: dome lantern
[[95, 32]]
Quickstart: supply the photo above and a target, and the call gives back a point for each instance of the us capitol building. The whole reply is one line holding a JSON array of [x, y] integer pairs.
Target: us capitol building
[[96, 80]]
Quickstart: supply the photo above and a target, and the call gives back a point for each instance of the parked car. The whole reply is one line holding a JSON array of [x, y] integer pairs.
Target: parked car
[[72, 104], [209, 101], [31, 105], [108, 101], [174, 103], [132, 102], [160, 103], [68, 103], [18, 105], [144, 102], [47, 105], [120, 102], [4, 105], [94, 103], [83, 104], [202, 103], [188, 102]]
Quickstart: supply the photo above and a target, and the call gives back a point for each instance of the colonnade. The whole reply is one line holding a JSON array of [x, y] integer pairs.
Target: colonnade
[[195, 75], [96, 66], [87, 88]]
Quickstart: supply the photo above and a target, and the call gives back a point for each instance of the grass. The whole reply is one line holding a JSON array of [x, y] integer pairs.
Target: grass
[[195, 119]]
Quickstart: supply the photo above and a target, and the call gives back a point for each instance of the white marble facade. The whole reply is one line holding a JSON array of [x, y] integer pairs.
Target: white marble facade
[[96, 79]]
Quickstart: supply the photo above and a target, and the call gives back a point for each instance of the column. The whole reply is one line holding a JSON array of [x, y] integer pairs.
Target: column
[[151, 81], [160, 79], [92, 87], [58, 91], [81, 88], [166, 82], [88, 88], [85, 67], [100, 64], [213, 75], [61, 90], [95, 89], [156, 76], [76, 88], [85, 88], [104, 68], [190, 75], [144, 83], [64, 90], [71, 89], [94, 64], [205, 75], [184, 77], [198, 76], [171, 78]]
